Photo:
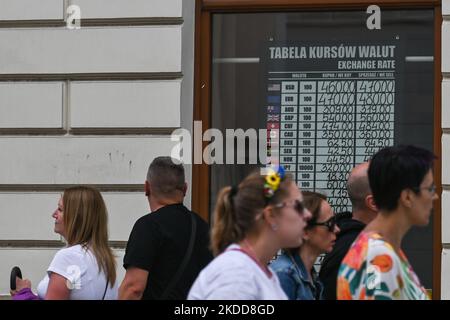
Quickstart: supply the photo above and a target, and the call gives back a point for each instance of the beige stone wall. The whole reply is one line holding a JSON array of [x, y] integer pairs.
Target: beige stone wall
[[88, 106]]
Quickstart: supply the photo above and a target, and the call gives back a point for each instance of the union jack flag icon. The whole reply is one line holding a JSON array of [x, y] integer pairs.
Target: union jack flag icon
[[273, 118]]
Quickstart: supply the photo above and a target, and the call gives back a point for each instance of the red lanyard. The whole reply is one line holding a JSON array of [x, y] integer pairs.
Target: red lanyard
[[265, 269]]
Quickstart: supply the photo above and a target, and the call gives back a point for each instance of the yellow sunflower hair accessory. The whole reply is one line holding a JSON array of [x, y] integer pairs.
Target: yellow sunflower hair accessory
[[273, 180]]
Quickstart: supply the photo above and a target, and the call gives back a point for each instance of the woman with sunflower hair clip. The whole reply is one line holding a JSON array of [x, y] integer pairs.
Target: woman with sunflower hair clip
[[252, 222]]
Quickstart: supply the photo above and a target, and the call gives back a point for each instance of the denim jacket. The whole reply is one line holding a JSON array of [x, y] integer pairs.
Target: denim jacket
[[294, 278]]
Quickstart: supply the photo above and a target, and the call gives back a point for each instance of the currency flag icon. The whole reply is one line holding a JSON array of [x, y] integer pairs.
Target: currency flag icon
[[273, 117], [272, 133], [273, 126], [273, 109], [274, 87], [274, 152], [274, 99]]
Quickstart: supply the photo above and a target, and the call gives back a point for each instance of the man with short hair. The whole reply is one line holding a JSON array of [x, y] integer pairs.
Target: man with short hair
[[350, 224], [169, 247]]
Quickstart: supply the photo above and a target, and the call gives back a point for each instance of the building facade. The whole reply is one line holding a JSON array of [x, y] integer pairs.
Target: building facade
[[94, 105], [86, 106]]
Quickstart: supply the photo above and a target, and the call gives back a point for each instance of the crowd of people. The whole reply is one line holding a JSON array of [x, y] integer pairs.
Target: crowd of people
[[266, 235]]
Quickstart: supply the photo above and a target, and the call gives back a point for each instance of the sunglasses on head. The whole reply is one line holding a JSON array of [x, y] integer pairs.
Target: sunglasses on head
[[329, 224]]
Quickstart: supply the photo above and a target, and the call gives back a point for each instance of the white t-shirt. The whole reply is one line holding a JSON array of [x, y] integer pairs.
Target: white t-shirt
[[233, 275], [80, 268]]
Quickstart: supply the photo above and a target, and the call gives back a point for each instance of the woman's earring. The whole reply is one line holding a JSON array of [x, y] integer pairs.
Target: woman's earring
[[274, 227]]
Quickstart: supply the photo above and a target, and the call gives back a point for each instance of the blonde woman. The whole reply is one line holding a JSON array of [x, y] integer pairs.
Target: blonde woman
[[85, 269]]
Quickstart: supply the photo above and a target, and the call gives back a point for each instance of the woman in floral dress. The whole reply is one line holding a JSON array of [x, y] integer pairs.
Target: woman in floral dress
[[375, 268]]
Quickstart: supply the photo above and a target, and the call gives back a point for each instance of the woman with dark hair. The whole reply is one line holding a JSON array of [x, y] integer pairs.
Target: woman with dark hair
[[86, 268], [295, 267], [252, 222], [403, 189]]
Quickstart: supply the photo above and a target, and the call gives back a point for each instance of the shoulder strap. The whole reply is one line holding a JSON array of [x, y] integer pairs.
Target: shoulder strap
[[186, 258], [106, 288]]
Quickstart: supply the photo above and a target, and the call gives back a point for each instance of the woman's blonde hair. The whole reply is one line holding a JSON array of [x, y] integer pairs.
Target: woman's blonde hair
[[86, 223], [237, 208]]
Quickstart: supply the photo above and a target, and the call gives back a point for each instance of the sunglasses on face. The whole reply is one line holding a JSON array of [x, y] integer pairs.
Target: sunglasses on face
[[297, 205], [329, 224]]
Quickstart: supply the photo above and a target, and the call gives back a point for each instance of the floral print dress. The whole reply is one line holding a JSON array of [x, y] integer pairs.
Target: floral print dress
[[373, 270]]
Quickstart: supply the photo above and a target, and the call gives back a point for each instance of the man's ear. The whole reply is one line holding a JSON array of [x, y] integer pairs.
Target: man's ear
[[147, 188], [370, 203], [185, 187]]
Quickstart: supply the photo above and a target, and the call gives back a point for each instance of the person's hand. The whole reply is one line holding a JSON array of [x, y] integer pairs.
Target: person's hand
[[20, 284]]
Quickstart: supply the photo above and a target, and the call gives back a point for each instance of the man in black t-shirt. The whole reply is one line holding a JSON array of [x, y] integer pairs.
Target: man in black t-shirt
[[159, 241]]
